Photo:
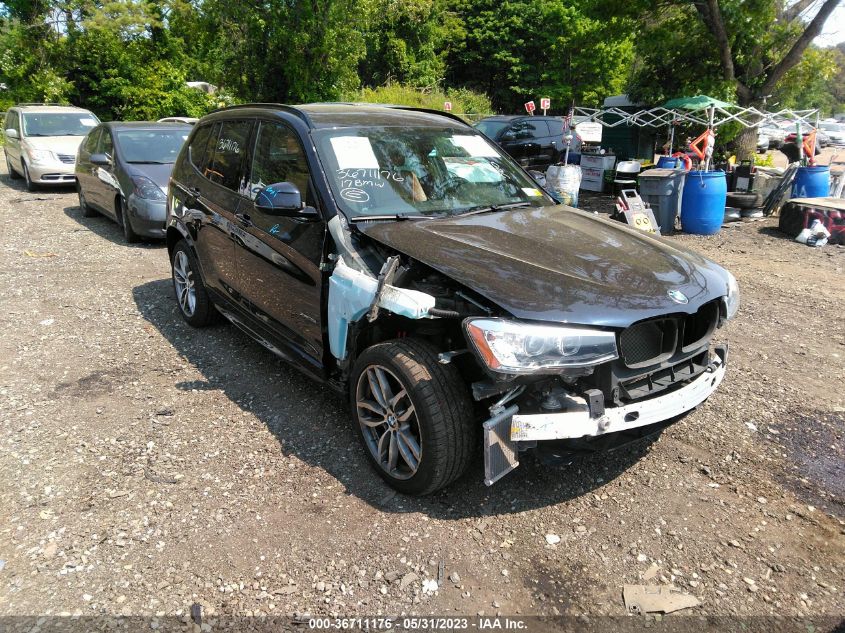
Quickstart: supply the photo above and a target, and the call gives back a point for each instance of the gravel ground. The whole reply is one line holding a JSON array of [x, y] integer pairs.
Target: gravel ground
[[146, 466]]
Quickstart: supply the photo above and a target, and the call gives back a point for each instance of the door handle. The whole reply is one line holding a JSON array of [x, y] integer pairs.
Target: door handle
[[244, 220]]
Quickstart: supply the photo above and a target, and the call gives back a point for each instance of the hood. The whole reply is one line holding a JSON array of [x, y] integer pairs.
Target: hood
[[159, 174], [57, 144], [558, 264]]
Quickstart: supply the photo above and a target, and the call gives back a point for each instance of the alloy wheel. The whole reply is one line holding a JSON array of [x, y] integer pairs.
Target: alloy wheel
[[388, 421], [183, 281]]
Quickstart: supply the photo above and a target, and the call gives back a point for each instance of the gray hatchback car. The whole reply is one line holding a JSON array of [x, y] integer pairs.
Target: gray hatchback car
[[122, 171]]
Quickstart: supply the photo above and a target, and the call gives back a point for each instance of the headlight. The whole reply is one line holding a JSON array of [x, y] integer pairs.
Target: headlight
[[147, 189], [40, 155], [510, 347], [732, 298]]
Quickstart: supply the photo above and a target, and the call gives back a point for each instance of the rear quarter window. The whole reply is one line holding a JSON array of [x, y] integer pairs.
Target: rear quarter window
[[229, 150], [198, 145]]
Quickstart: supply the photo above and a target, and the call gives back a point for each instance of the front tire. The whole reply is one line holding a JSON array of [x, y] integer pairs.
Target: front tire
[[87, 209], [12, 173], [30, 186], [125, 222], [413, 415], [191, 295]]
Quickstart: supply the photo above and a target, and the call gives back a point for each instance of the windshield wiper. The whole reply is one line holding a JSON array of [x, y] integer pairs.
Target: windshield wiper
[[492, 208], [149, 162], [392, 216]]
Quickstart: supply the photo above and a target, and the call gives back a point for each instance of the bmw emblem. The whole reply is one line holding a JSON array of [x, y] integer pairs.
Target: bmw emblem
[[677, 296]]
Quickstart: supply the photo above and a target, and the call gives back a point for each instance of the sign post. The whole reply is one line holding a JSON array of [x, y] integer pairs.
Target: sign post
[[447, 106], [530, 107], [545, 104]]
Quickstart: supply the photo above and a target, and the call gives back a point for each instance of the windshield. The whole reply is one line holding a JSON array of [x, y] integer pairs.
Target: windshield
[[491, 128], [58, 123], [376, 171], [151, 146]]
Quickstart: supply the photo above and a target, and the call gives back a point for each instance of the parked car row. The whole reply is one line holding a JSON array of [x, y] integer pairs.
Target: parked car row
[[400, 257]]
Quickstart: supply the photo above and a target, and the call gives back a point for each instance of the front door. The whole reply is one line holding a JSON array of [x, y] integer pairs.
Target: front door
[[106, 189], [86, 172], [278, 258], [13, 145]]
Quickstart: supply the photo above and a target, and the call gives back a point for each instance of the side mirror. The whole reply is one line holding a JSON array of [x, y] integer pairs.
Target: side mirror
[[283, 199], [12, 133], [100, 159]]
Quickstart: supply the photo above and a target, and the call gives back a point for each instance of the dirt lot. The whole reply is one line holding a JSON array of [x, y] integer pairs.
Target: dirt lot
[[145, 466]]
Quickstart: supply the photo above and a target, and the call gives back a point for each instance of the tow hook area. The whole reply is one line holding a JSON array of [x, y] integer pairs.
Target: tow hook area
[[567, 416]]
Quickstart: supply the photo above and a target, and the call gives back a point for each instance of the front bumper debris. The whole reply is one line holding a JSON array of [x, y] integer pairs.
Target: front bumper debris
[[505, 430]]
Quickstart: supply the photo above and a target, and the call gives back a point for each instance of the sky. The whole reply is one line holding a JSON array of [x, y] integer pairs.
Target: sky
[[834, 29]]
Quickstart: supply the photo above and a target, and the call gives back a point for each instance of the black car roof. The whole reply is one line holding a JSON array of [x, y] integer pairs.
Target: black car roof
[[145, 125], [514, 117], [329, 115]]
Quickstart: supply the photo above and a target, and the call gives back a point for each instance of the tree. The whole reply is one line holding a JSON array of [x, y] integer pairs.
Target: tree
[[739, 49], [524, 49]]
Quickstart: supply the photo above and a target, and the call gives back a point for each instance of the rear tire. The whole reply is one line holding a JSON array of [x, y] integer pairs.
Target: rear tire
[[191, 295], [125, 222], [413, 416], [12, 173]]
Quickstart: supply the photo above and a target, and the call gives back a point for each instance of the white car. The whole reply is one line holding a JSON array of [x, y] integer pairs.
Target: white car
[[42, 140], [835, 130]]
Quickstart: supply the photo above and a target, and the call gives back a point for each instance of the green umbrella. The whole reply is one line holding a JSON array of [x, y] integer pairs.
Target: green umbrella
[[700, 102]]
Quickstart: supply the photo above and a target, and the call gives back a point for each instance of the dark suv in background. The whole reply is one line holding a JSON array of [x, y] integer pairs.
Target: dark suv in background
[[535, 142], [400, 257]]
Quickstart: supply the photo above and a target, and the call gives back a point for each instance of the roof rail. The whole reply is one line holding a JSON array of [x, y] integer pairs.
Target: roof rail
[[43, 103], [278, 106], [426, 110]]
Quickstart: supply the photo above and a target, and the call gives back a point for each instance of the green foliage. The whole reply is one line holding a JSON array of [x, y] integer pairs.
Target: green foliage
[[406, 42], [525, 49], [464, 101], [132, 58], [812, 83]]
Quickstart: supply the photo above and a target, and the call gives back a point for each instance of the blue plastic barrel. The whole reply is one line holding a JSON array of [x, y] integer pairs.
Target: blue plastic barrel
[[811, 182], [703, 202], [667, 162]]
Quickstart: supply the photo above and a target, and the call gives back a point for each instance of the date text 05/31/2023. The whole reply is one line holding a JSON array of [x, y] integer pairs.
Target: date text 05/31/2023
[[411, 623]]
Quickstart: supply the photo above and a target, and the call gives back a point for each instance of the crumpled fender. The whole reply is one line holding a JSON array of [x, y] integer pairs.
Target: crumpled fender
[[351, 293]]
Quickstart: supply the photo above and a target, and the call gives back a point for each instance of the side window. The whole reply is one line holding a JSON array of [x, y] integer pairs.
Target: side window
[[225, 168], [105, 145], [90, 145], [13, 121], [556, 127], [541, 129], [197, 148], [530, 129], [278, 157]]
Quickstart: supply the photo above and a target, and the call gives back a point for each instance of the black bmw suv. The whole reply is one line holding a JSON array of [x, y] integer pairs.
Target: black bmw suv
[[399, 256]]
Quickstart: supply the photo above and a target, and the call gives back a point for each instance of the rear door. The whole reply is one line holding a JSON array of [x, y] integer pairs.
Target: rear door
[[556, 145], [215, 184], [278, 257]]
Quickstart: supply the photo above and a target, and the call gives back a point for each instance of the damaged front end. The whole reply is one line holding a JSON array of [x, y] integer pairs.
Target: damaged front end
[[544, 386]]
